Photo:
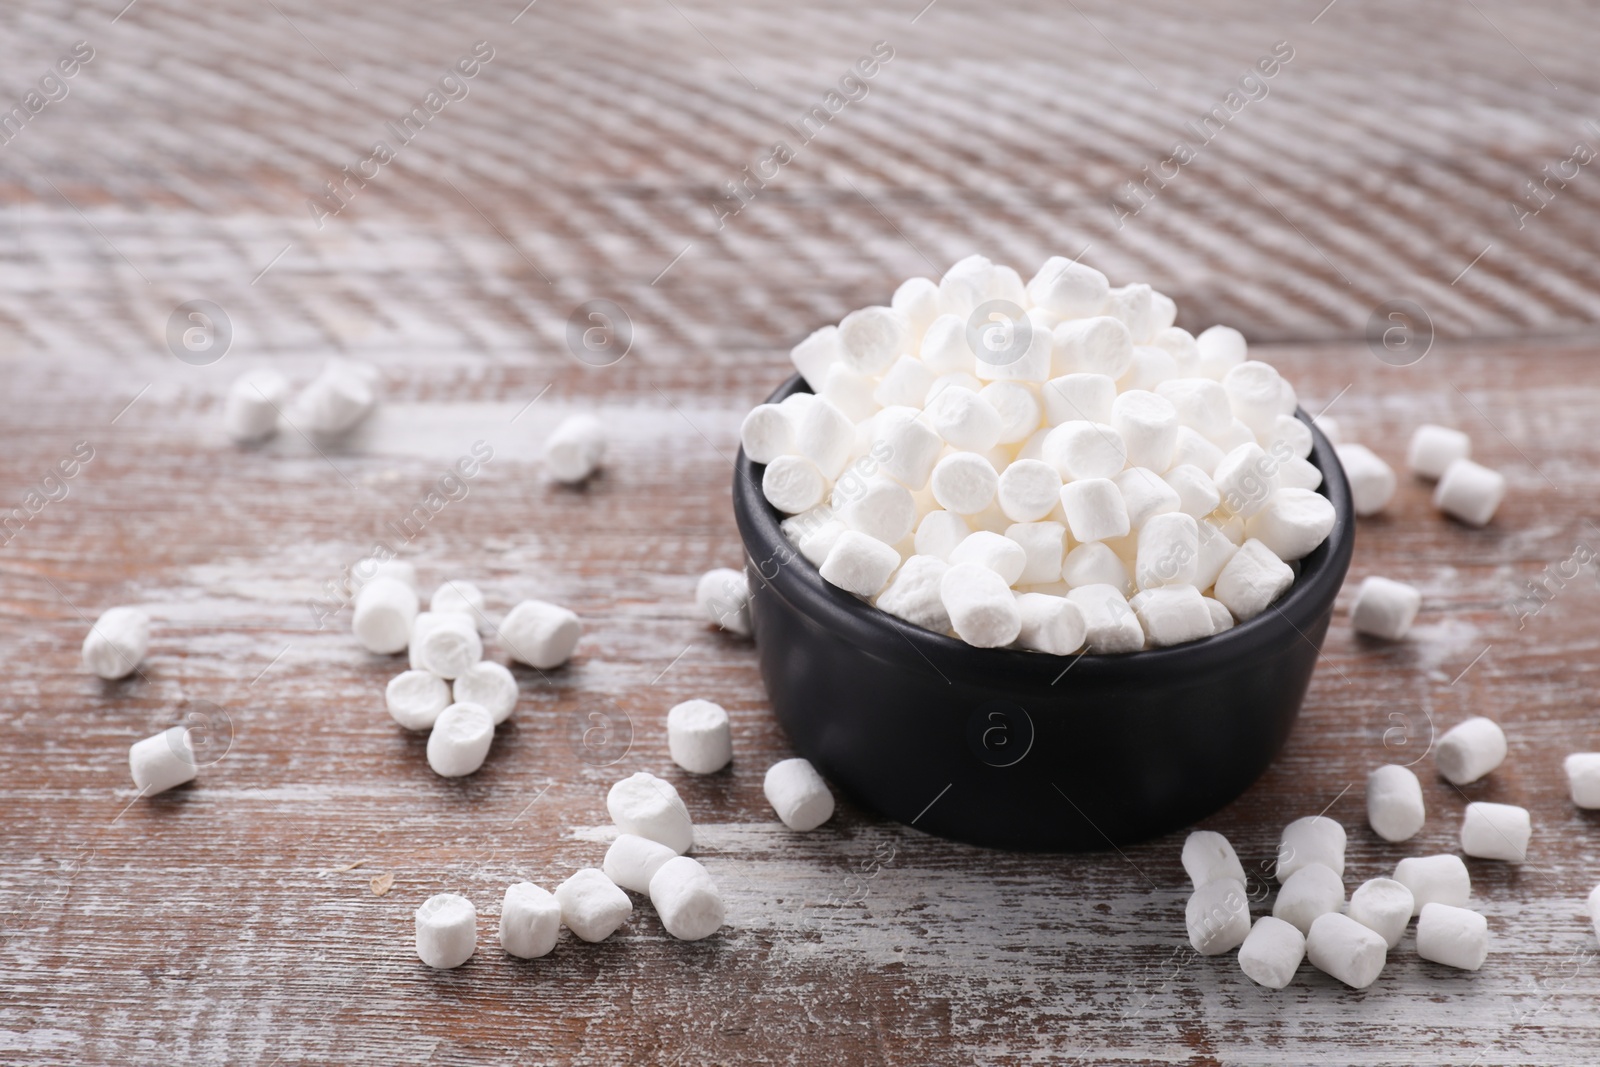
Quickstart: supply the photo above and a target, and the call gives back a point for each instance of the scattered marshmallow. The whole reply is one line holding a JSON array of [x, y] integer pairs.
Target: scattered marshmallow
[[158, 763], [1583, 778], [686, 899], [490, 685], [530, 921], [1455, 937], [699, 737], [1470, 492], [1383, 906], [336, 400], [447, 931], [460, 596], [1208, 857], [632, 861], [1272, 952], [116, 643], [798, 794], [724, 596], [540, 634], [386, 608], [1218, 917], [1496, 831], [1434, 448], [1394, 803], [254, 402], [460, 740], [1385, 608], [1470, 749], [574, 451], [983, 611], [1372, 481], [592, 906], [1310, 891], [1339, 946], [1313, 839], [445, 642], [650, 807], [1434, 878], [415, 699]]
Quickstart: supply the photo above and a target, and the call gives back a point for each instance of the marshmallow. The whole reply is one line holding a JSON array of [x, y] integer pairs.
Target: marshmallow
[[1255, 392], [965, 419], [1135, 305], [850, 391], [1000, 554], [1218, 917], [1496, 831], [592, 906], [1200, 403], [1339, 946], [813, 356], [1252, 579], [385, 609], [904, 384], [1288, 438], [1028, 490], [724, 596], [1383, 906], [1216, 552], [913, 449], [871, 338], [1384, 608], [1313, 839], [964, 482], [1221, 349], [1095, 563], [1221, 617], [530, 921], [1454, 937], [1169, 551], [859, 564], [819, 540], [116, 643], [1068, 288], [1196, 451], [415, 699], [918, 300], [1208, 857], [1148, 425], [798, 794], [1470, 749], [460, 596], [1145, 494], [460, 740], [1050, 624], [489, 685], [1372, 481], [826, 436], [944, 348], [1296, 473], [1098, 345], [793, 484], [1079, 450], [1110, 625], [1434, 878], [1079, 397], [982, 609], [447, 931], [1434, 448], [1272, 952], [158, 763], [338, 399], [1583, 778], [1195, 491], [766, 433], [632, 861], [1150, 368], [686, 899], [881, 508], [650, 807], [1394, 803], [913, 594], [699, 738], [1172, 614], [1042, 544], [575, 449], [254, 401], [1292, 523], [445, 642], [965, 285], [540, 634], [1311, 891], [1094, 509], [1013, 348], [1469, 492], [1246, 478]]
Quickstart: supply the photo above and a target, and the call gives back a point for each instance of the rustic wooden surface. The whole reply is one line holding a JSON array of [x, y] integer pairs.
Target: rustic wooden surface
[[227, 922]]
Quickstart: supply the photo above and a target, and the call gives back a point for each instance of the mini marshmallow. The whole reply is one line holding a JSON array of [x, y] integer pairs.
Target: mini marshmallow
[[447, 931], [1372, 481], [699, 737], [1216, 552], [826, 436], [1134, 304], [871, 337], [913, 594], [966, 285], [575, 449], [766, 433], [1208, 857], [447, 643], [1146, 494], [859, 564], [798, 794], [1151, 367], [944, 348], [1172, 615], [1246, 479], [1339, 946], [1310, 891], [1068, 288], [1296, 473], [540, 634], [116, 643], [460, 596], [1196, 492], [1192, 449], [1218, 917], [819, 541], [1470, 749], [1252, 579], [1384, 608], [1221, 617], [983, 612], [686, 899], [913, 449], [964, 482], [905, 383], [1079, 397], [415, 699], [1329, 425], [1095, 563], [1000, 554], [813, 356], [632, 861], [1148, 424], [1394, 803], [489, 685], [1313, 839], [1434, 878], [1272, 952], [793, 484], [1292, 523], [918, 300], [1434, 448], [1094, 509], [879, 508], [1496, 831], [965, 419], [1180, 345], [850, 391], [1015, 350], [724, 596], [336, 400], [1383, 906], [254, 401], [592, 906], [1082, 450], [1098, 345], [1042, 544], [650, 807], [1454, 937], [1110, 624], [1583, 778], [460, 740], [1169, 552], [1255, 392], [1201, 404], [1028, 490], [1050, 624], [530, 921], [1221, 349], [1470, 492], [385, 611], [158, 763]]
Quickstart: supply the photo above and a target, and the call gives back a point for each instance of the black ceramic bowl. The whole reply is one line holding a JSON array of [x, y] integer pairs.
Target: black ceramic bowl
[[1022, 750]]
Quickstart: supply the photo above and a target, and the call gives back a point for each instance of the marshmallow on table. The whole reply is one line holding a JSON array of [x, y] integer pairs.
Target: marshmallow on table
[[254, 401], [540, 634], [983, 611], [116, 643], [798, 794], [1293, 522], [1469, 492], [1095, 509], [1496, 831], [460, 740], [650, 807], [1384, 607], [1272, 952], [592, 906], [1434, 878], [1311, 891], [1583, 778], [1110, 625], [490, 685], [1218, 917], [699, 737], [447, 931], [385, 610], [415, 699], [1313, 839], [1383, 906], [1173, 614], [336, 400], [632, 861], [158, 763], [460, 596], [913, 594], [766, 433], [859, 564], [575, 449], [686, 899], [1394, 802], [1470, 749], [1208, 857], [1339, 946], [964, 483], [1455, 937], [1050, 624], [445, 642], [530, 920], [1434, 448], [724, 595], [1253, 578], [1372, 481]]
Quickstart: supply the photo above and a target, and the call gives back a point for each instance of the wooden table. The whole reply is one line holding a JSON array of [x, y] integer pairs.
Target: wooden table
[[235, 920]]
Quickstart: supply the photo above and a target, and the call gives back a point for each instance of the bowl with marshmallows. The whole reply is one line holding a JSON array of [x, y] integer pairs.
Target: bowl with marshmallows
[[1030, 566]]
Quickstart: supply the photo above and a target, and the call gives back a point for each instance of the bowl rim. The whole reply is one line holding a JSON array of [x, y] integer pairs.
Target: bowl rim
[[778, 564]]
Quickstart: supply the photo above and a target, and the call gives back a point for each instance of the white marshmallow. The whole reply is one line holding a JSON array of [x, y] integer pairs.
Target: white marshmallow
[[686, 899], [158, 763], [530, 921], [1094, 509], [1148, 425], [1095, 563], [415, 699], [1028, 490], [965, 285], [1051, 624], [913, 594], [819, 541], [918, 300], [1292, 523], [798, 794], [632, 861], [1151, 366], [826, 436], [1000, 554], [1201, 404], [1195, 492], [1221, 617], [1583, 778], [1469, 492], [1218, 917], [1255, 392], [813, 356], [1434, 448], [699, 737], [1288, 438], [1172, 614], [1496, 831], [1079, 450], [592, 906], [445, 642], [1454, 937], [1252, 579], [1246, 478], [1339, 946], [1383, 906], [1221, 349], [338, 399], [944, 348], [871, 338], [575, 449], [1272, 952], [1313, 839], [1014, 348], [1209, 857], [1216, 552], [650, 807], [964, 482], [1043, 544], [460, 596], [879, 508], [1134, 304], [850, 391], [540, 634], [1237, 434], [1067, 288], [1470, 749], [939, 533], [385, 610], [912, 450], [766, 433], [1296, 473], [723, 594], [1384, 608], [905, 383], [1110, 624], [1145, 494], [1434, 878], [793, 484], [1192, 449], [983, 612], [1079, 397], [1099, 345], [1169, 552], [1311, 891], [447, 931], [489, 685], [1394, 803], [254, 401], [965, 419], [1372, 481], [859, 564], [459, 742], [116, 643]]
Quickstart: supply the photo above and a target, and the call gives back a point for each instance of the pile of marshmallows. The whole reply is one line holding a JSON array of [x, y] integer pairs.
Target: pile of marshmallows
[[1070, 470], [1351, 940]]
